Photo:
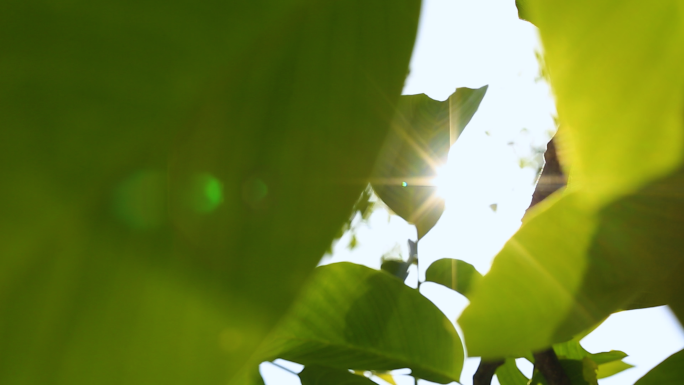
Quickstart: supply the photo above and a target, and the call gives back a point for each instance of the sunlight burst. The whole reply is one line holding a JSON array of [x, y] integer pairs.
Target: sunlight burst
[[443, 181]]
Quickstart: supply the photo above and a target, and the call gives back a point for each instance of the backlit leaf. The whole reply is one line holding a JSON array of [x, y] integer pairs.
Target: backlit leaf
[[354, 317], [615, 69], [418, 143], [454, 274]]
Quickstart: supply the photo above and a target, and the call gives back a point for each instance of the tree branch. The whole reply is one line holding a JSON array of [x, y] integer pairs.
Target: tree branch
[[548, 364], [551, 178], [485, 372]]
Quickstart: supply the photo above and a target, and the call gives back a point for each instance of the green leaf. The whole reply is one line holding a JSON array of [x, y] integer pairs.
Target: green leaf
[[612, 237], [527, 292], [571, 350], [523, 10], [607, 357], [418, 143], [580, 372], [454, 274], [601, 262], [354, 317], [321, 375], [509, 374], [463, 104], [396, 267], [249, 376], [172, 164], [609, 363], [612, 368], [604, 142], [668, 372]]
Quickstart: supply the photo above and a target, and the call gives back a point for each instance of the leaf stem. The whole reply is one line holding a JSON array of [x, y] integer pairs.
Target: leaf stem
[[413, 257]]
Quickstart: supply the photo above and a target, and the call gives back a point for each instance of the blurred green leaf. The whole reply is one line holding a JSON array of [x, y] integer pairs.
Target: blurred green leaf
[[249, 376], [418, 143], [396, 267], [321, 375], [571, 350], [668, 372], [528, 284], [649, 297], [601, 262], [523, 10], [612, 237], [607, 357], [454, 274], [612, 368], [354, 317], [509, 374], [630, 69], [580, 372], [609, 363], [172, 164]]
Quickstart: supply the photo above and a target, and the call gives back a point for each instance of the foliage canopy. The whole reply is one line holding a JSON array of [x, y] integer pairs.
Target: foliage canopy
[[173, 173]]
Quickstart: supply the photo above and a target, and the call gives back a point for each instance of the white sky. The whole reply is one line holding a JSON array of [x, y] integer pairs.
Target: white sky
[[470, 43]]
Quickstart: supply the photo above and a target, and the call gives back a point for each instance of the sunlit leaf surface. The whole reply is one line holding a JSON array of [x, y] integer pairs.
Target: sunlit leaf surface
[[523, 11], [612, 368], [613, 241], [354, 317], [417, 145], [172, 172]]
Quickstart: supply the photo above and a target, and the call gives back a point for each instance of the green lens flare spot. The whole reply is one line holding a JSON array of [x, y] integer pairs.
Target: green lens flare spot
[[206, 193], [213, 191], [140, 200], [404, 184]]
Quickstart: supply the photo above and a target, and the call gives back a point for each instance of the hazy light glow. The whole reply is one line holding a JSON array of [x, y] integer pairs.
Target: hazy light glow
[[206, 193], [444, 181]]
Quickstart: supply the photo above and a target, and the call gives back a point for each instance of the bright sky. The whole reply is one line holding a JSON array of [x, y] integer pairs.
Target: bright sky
[[470, 43]]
